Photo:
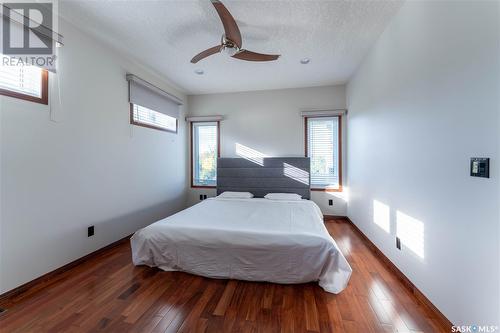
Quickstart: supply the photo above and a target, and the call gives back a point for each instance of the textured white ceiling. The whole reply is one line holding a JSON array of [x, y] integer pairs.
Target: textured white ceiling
[[165, 35]]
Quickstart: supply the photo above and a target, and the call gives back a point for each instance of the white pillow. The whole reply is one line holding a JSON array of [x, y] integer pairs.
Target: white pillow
[[236, 195], [282, 196]]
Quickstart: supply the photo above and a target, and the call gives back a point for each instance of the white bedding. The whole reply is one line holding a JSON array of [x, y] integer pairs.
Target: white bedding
[[246, 239]]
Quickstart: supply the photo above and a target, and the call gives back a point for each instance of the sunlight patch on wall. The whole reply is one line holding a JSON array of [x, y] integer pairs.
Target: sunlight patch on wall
[[382, 215], [295, 173], [411, 233], [250, 154]]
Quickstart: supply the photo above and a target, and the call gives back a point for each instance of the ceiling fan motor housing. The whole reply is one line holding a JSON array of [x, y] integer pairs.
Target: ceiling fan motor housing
[[229, 47]]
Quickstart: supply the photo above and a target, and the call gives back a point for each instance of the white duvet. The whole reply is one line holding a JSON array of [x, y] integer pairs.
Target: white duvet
[[246, 239]]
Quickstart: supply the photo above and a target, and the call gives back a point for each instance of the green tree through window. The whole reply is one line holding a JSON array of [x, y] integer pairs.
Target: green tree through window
[[205, 138]]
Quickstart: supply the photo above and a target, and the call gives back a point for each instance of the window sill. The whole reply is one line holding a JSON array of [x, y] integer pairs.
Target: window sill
[[203, 186], [44, 88], [136, 123], [24, 97], [327, 189]]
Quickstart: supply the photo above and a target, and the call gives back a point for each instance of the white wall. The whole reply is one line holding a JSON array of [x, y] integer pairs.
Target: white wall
[[269, 122], [90, 168], [423, 102]]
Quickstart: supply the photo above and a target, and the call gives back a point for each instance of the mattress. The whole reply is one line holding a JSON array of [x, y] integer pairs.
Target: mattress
[[246, 239]]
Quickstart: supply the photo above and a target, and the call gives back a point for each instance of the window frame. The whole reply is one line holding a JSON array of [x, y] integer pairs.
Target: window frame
[[138, 123], [306, 139], [191, 128], [43, 99]]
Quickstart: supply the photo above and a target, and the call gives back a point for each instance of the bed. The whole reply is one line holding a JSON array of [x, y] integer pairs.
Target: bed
[[257, 239]]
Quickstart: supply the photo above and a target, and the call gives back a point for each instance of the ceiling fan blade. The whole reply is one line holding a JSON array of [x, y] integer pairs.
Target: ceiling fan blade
[[231, 29], [206, 53], [253, 56]]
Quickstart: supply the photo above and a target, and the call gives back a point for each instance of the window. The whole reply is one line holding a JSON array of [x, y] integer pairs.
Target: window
[[29, 83], [323, 146], [151, 106], [204, 153], [142, 116]]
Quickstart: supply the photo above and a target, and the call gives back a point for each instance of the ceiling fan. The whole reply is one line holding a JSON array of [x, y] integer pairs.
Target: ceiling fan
[[231, 40]]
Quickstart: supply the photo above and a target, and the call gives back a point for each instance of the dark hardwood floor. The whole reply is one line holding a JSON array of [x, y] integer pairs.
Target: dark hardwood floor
[[108, 294]]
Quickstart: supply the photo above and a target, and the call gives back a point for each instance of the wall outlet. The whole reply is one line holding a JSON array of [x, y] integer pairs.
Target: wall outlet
[[330, 202], [90, 231], [201, 196], [204, 196], [398, 243]]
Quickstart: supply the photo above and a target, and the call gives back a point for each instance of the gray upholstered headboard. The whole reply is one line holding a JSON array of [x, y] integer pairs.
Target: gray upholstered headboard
[[266, 175]]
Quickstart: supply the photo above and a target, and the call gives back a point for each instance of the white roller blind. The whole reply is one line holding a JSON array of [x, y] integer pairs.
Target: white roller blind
[[323, 113], [21, 79], [323, 149], [144, 94], [204, 118], [205, 153]]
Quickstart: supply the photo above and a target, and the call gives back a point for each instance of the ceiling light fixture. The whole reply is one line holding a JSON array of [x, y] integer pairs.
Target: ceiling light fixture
[[199, 71], [305, 61]]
